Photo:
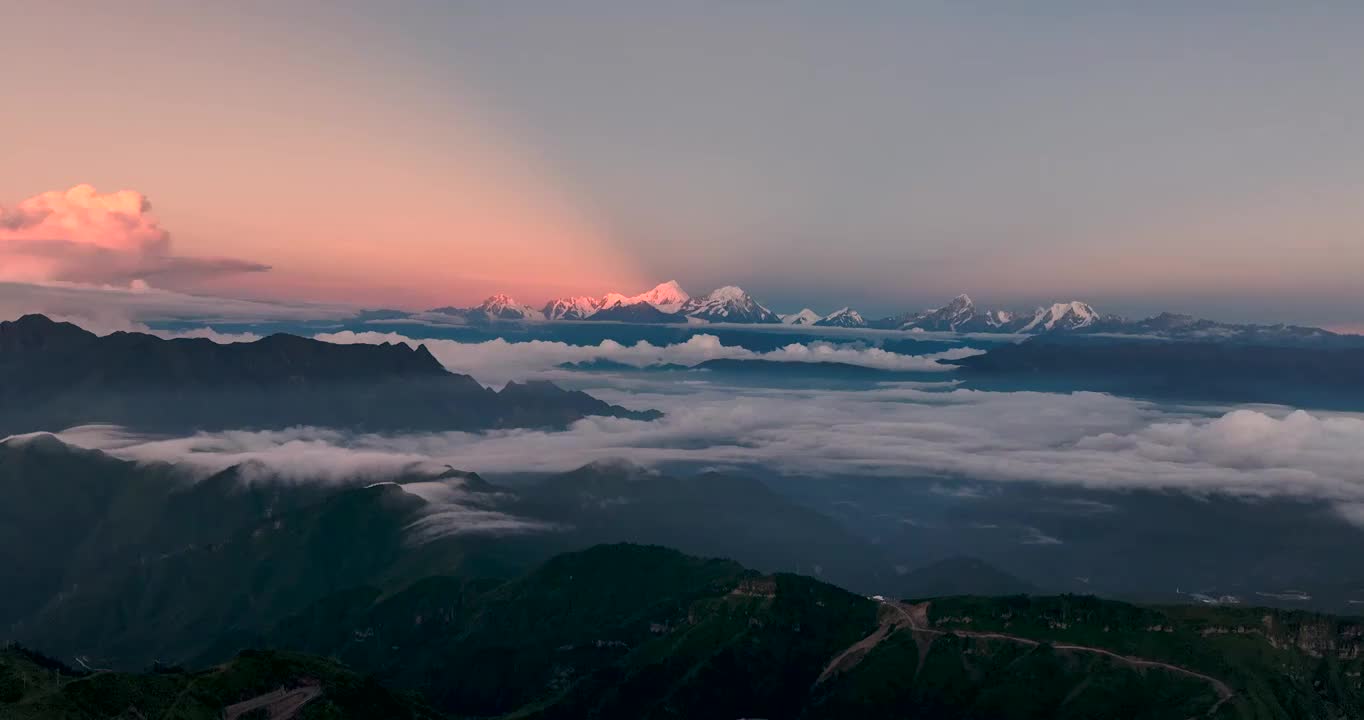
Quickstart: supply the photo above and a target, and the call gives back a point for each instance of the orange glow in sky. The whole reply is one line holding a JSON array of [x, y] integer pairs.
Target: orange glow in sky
[[353, 182]]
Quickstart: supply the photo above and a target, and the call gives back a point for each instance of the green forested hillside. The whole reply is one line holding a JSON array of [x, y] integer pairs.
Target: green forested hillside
[[629, 631], [144, 562], [1277, 663]]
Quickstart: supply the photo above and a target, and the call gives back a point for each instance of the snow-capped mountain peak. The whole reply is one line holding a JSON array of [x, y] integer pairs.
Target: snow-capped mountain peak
[[504, 307], [613, 299], [961, 305], [728, 304], [728, 293], [959, 314], [571, 308], [846, 317], [667, 297], [1062, 316], [804, 317], [496, 307]]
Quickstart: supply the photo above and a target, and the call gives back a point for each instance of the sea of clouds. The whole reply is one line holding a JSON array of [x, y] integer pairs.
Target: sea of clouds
[[914, 431], [911, 430]]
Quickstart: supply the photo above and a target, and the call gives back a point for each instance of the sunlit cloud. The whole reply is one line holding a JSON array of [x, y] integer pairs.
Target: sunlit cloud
[[82, 235]]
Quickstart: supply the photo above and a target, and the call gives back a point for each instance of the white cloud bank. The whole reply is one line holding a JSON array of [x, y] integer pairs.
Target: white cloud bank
[[314, 455], [1085, 439], [498, 361]]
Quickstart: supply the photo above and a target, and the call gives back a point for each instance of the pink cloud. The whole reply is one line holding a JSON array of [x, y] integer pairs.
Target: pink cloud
[[83, 236]]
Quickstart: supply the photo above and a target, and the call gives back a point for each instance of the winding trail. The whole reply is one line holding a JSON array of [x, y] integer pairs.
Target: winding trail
[[282, 704], [848, 658], [917, 618]]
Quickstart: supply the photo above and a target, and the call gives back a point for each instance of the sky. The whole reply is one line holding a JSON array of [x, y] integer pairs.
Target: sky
[[1191, 156]]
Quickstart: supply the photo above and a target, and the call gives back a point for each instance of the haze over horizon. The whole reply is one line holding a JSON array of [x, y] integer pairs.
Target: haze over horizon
[[1198, 160]]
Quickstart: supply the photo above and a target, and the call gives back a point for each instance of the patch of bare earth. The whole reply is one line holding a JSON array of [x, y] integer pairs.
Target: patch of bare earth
[[281, 704]]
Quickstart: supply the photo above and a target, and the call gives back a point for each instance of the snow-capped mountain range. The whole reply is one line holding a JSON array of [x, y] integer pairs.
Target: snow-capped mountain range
[[497, 307], [961, 315], [668, 297], [666, 302], [669, 303]]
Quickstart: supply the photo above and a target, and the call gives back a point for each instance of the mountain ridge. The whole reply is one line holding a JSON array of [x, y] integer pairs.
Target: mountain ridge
[[59, 375]]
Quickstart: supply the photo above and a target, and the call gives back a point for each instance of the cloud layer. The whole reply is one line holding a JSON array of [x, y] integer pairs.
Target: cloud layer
[[925, 431], [83, 236], [319, 457], [103, 309], [921, 432], [497, 361]]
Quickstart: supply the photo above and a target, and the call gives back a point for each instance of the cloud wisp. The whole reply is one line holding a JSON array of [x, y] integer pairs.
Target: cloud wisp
[[81, 235], [454, 510]]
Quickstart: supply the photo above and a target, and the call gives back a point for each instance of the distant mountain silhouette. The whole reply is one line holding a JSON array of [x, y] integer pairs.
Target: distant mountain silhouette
[[58, 375], [730, 515], [1310, 376], [962, 575]]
